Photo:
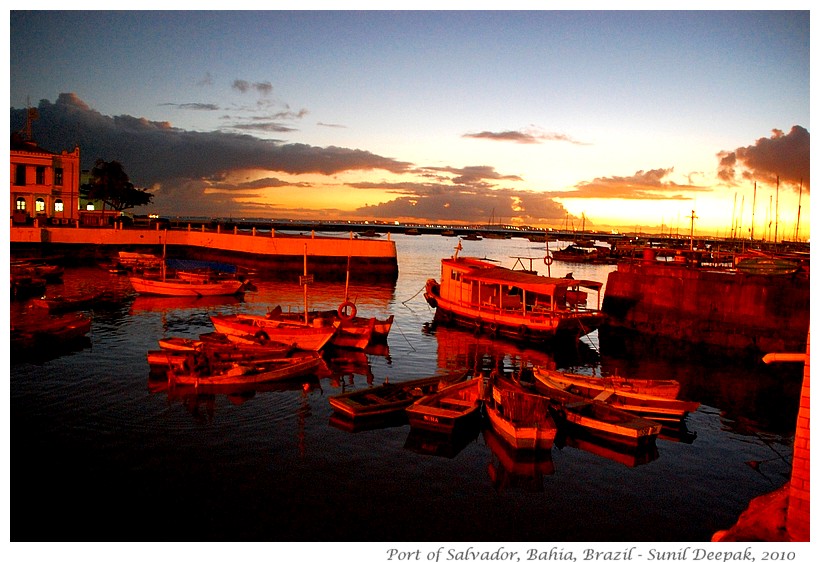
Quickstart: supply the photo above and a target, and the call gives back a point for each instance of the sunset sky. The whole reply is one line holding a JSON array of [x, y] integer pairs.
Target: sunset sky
[[608, 119]]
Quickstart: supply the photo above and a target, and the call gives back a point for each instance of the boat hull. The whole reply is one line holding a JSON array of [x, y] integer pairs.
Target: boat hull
[[312, 338], [184, 288], [274, 370]]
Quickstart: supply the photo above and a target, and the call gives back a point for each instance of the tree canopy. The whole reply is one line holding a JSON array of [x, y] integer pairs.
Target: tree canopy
[[110, 184]]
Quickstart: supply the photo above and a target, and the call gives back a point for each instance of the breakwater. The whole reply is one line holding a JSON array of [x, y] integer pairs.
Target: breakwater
[[270, 254], [708, 309]]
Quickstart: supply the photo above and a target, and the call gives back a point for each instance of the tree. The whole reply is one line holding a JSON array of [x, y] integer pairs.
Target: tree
[[110, 184]]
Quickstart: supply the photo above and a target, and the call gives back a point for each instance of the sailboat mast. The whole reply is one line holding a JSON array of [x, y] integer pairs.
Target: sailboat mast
[[305, 286]]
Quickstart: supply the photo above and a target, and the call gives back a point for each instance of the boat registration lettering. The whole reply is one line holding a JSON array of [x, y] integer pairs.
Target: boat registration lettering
[[429, 418]]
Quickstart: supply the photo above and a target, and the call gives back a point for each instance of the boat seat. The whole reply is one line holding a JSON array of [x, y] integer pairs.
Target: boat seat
[[604, 395], [456, 402]]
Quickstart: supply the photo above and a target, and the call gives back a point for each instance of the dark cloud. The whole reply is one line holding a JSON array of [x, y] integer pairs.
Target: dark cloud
[[194, 106], [642, 185], [263, 127], [786, 156], [155, 152], [243, 86], [522, 137], [331, 125]]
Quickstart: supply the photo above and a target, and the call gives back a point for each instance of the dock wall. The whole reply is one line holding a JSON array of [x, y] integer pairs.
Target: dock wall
[[750, 314], [270, 254]]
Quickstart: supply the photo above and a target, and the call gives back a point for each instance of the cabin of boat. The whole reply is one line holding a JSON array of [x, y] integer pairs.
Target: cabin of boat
[[515, 303]]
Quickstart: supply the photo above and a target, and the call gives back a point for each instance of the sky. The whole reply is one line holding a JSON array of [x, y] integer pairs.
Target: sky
[[605, 120]]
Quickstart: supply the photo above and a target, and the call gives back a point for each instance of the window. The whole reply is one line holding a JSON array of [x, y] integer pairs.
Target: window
[[39, 206], [58, 176], [21, 204], [58, 206], [41, 175], [20, 175]]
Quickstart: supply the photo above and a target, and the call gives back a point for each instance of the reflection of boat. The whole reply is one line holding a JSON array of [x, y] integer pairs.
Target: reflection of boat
[[303, 336], [147, 303], [644, 405], [518, 304], [440, 444], [387, 398], [521, 418], [250, 372], [660, 388], [618, 452], [517, 468], [450, 409], [356, 425]]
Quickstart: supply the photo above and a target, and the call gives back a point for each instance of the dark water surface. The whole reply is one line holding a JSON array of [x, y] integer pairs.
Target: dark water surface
[[100, 456]]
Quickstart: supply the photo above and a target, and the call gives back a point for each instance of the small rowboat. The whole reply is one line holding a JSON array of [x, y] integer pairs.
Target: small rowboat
[[521, 418], [243, 374], [450, 409], [644, 405], [661, 388], [389, 398], [303, 336]]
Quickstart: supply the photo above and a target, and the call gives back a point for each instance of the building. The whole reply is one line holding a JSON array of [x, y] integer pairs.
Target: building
[[45, 186]]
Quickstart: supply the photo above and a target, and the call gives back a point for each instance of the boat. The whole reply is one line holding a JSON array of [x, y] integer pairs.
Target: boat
[[521, 418], [450, 409], [220, 346], [238, 327], [46, 330], [63, 303], [518, 304], [598, 419], [176, 287], [387, 398], [760, 265], [644, 405], [354, 331], [579, 253], [244, 373], [137, 261], [659, 388]]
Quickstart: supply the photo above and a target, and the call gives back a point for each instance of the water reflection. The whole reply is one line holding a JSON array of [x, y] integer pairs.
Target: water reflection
[[515, 469], [441, 444]]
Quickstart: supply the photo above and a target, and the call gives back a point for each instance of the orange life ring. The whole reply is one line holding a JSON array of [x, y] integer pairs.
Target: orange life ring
[[343, 313], [548, 259]]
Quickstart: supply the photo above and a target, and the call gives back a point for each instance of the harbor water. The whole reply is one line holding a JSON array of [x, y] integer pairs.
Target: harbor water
[[100, 451]]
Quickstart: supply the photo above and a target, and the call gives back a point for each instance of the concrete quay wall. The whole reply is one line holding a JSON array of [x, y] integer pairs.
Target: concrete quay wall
[[270, 254], [747, 314]]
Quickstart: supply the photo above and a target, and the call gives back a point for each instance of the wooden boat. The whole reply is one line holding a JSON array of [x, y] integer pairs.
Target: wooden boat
[[644, 405], [243, 373], [175, 287], [304, 336], [599, 419], [47, 330], [659, 388], [523, 419], [388, 398], [138, 260], [219, 345], [352, 326], [518, 304], [767, 266], [62, 304], [450, 409]]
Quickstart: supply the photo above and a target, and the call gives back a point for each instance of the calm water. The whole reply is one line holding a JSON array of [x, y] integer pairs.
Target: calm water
[[99, 454]]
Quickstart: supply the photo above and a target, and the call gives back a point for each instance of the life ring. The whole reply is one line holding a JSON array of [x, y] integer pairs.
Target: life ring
[[343, 313], [261, 335], [548, 259]]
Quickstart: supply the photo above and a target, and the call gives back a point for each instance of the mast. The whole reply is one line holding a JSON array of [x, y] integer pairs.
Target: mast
[[799, 205], [305, 286], [754, 200], [776, 208], [692, 232]]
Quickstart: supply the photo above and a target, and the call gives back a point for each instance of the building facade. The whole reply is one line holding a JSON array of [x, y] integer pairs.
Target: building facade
[[45, 186]]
